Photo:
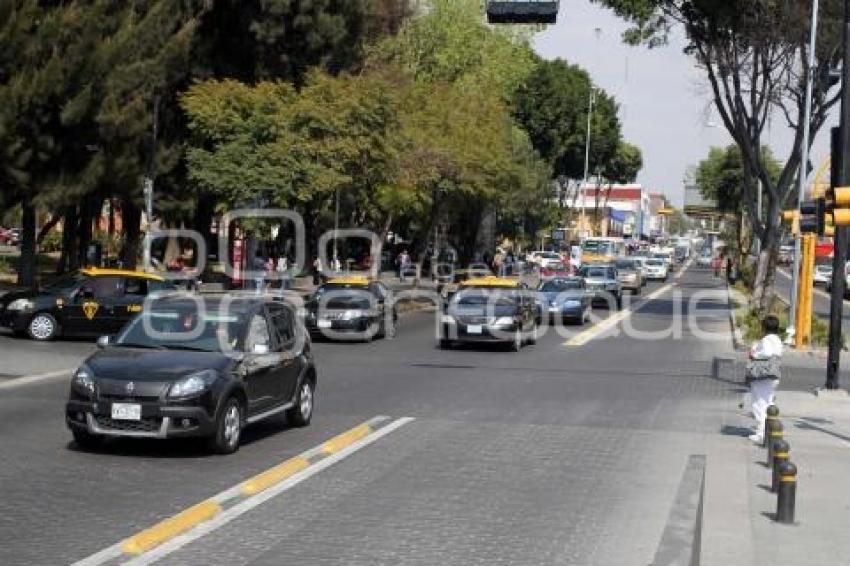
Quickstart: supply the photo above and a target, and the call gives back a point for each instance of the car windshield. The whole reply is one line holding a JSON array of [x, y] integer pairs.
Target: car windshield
[[598, 247], [627, 265], [185, 328], [597, 272], [347, 300], [479, 303], [655, 262], [558, 266], [65, 283], [559, 285]]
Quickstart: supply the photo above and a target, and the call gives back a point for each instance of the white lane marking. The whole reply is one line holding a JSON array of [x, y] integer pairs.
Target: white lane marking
[[115, 551], [584, 337], [26, 380]]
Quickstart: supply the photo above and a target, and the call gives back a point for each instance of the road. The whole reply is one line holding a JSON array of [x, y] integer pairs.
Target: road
[[820, 299], [569, 452]]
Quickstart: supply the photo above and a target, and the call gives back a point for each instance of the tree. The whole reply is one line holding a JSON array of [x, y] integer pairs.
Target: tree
[[754, 54], [720, 177]]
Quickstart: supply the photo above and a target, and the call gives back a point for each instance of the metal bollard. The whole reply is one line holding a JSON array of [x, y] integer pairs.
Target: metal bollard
[[776, 433], [781, 450], [772, 417], [787, 494]]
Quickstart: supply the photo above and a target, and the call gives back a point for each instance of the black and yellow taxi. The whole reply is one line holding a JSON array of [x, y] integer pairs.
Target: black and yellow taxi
[[351, 307], [490, 309], [89, 302]]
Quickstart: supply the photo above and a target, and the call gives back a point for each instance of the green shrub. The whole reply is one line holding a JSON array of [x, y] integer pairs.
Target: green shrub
[[6, 266], [52, 242]]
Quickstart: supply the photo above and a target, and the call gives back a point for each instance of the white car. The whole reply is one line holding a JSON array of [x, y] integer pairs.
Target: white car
[[656, 269], [546, 259], [822, 275], [704, 260]]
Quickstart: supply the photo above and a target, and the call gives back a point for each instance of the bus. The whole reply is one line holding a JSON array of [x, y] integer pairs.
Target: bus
[[602, 250]]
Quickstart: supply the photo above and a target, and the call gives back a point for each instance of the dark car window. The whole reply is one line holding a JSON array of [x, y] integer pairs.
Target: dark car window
[[626, 265], [104, 287], [598, 272], [157, 286], [282, 321], [171, 325], [65, 283], [558, 285]]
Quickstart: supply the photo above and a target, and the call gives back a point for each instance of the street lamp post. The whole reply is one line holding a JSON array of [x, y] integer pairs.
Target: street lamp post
[[801, 177], [591, 102]]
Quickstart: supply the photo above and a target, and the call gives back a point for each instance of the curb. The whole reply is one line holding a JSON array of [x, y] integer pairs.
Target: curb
[[737, 335]]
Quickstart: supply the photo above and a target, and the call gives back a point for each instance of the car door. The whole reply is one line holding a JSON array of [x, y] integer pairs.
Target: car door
[[260, 364], [92, 308], [130, 302], [286, 374]]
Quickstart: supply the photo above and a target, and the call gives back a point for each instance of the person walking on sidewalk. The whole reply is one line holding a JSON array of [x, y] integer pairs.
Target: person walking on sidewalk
[[763, 373]]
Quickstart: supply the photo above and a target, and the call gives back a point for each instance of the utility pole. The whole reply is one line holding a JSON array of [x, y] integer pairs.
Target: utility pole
[[842, 169], [801, 176], [590, 104]]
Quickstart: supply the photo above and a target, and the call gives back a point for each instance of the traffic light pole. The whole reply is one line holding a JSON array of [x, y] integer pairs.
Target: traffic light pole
[[841, 235], [804, 160]]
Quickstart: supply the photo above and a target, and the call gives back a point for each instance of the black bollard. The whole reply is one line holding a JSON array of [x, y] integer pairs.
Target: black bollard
[[776, 433], [781, 450], [772, 417], [787, 494]]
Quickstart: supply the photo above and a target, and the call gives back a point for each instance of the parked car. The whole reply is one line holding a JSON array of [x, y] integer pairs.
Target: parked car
[[205, 372], [564, 297], [630, 274], [785, 255], [704, 260], [603, 284]]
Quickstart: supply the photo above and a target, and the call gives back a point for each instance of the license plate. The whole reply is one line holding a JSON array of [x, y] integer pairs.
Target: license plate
[[475, 329], [324, 324], [126, 411]]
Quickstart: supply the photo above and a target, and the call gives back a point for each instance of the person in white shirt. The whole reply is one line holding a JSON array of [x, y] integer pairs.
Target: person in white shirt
[[764, 373]]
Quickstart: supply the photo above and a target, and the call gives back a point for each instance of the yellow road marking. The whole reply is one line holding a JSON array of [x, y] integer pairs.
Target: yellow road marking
[[345, 439], [274, 475], [171, 527]]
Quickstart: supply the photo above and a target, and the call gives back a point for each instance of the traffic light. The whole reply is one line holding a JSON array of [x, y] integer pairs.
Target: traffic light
[[838, 204], [812, 216]]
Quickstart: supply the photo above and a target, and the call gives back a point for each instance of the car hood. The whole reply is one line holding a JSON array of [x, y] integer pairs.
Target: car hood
[[571, 295], [153, 365]]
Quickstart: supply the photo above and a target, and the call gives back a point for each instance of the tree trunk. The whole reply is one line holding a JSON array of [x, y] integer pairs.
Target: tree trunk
[[84, 230], [28, 261], [131, 217], [69, 260], [54, 220], [204, 209], [766, 266]]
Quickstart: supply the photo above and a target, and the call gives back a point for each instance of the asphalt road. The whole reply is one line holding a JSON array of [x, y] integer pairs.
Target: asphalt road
[[569, 452], [820, 300]]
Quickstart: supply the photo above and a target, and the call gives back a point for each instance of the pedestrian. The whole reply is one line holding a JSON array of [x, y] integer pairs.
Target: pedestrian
[[403, 265], [282, 267], [763, 373], [716, 263], [318, 272], [259, 268]]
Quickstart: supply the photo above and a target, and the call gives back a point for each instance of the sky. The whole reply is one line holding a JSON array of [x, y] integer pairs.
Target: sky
[[665, 103]]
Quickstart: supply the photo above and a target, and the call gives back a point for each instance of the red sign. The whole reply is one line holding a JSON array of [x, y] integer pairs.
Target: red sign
[[238, 253], [824, 249]]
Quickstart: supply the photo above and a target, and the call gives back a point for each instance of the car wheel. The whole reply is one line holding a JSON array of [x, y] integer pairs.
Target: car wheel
[[86, 440], [638, 290], [533, 339], [302, 412], [228, 428], [42, 327], [444, 344]]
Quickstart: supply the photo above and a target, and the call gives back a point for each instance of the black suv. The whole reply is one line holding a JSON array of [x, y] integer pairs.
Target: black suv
[[195, 366]]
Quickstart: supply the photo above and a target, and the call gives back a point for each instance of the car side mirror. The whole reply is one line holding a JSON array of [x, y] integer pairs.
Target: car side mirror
[[104, 342], [260, 349]]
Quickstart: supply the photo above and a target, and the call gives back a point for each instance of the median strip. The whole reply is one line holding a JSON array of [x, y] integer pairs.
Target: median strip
[[170, 528], [175, 532]]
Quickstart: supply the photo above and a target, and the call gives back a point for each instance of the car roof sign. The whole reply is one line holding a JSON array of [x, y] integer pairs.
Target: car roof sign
[[99, 272]]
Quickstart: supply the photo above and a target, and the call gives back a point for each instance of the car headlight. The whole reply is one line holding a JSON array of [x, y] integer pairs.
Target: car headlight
[[504, 321], [352, 314], [83, 380], [20, 305], [192, 384]]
